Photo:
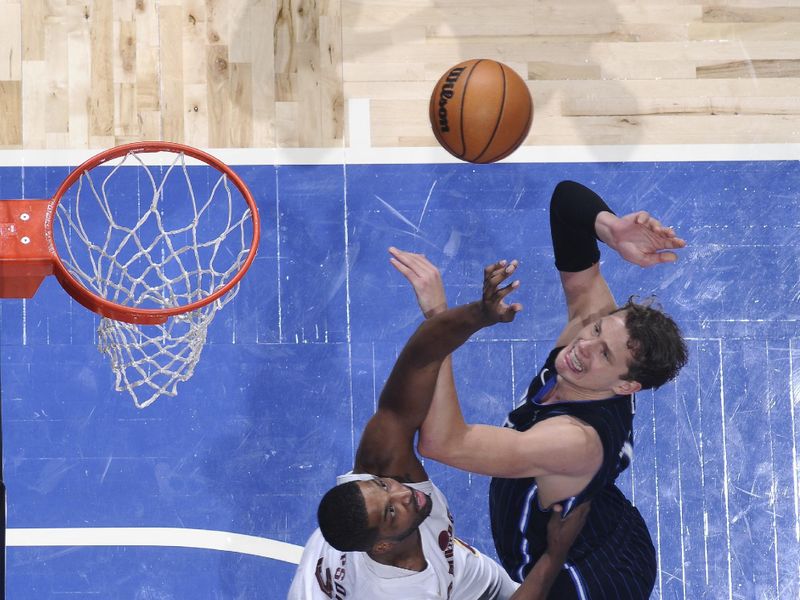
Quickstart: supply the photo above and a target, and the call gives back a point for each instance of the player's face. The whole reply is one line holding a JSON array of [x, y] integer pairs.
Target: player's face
[[597, 358], [396, 509]]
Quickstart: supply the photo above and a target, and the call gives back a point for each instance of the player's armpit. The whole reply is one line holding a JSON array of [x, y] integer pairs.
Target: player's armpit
[[557, 446]]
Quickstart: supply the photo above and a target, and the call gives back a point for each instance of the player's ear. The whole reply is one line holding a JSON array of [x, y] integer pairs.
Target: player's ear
[[624, 388]]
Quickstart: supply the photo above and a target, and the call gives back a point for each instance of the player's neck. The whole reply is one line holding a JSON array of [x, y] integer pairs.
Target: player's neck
[[407, 554], [564, 391]]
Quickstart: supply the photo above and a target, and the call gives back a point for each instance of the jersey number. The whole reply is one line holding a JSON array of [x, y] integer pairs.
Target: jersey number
[[327, 585]]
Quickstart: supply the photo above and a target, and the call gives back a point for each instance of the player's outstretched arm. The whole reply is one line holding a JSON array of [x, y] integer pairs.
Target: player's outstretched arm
[[578, 218], [428, 287], [554, 446], [496, 451], [444, 426], [387, 443], [561, 534]]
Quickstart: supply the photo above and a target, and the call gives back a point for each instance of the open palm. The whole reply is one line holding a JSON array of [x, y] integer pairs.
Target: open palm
[[642, 240]]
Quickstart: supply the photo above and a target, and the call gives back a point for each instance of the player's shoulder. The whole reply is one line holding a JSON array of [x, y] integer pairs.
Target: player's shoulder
[[323, 571]]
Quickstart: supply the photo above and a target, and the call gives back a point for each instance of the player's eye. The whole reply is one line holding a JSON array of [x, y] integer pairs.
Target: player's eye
[[597, 328]]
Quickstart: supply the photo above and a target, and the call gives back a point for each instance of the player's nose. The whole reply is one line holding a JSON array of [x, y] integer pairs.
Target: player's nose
[[584, 348], [402, 494]]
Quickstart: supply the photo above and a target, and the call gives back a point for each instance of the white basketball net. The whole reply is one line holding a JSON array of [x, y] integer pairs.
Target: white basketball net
[[178, 246]]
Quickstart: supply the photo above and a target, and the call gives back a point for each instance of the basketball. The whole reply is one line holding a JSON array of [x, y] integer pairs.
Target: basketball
[[481, 110]]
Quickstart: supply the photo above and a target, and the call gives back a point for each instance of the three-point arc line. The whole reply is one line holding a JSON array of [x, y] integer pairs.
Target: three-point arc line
[[203, 539]]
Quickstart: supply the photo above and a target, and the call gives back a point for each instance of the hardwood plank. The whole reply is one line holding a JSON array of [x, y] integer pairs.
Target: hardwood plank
[[32, 30], [218, 90], [171, 72], [11, 109], [750, 69], [101, 36], [10, 42]]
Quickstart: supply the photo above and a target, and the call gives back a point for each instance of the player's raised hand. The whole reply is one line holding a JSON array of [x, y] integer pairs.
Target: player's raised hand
[[493, 301], [424, 277], [639, 238]]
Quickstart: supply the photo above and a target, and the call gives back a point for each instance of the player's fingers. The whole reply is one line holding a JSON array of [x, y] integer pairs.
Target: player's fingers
[[417, 263], [503, 271], [493, 285], [396, 252], [494, 279], [505, 291], [422, 266], [580, 512], [641, 217], [667, 257], [656, 227], [668, 231], [402, 267], [401, 256], [489, 269], [664, 243], [655, 258]]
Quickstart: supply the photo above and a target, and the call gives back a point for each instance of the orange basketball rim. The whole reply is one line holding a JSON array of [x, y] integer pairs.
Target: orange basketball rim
[[28, 251]]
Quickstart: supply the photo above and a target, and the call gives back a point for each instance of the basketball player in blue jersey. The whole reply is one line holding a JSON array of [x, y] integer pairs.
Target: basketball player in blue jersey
[[571, 437], [385, 530]]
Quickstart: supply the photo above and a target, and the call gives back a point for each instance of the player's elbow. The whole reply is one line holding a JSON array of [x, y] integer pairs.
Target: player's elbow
[[426, 447], [431, 448]]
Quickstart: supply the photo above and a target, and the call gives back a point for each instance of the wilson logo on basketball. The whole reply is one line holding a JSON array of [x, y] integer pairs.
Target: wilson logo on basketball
[[445, 95]]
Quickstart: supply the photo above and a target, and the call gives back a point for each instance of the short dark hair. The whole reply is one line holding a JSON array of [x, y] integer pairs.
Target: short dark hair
[[343, 519], [655, 341]]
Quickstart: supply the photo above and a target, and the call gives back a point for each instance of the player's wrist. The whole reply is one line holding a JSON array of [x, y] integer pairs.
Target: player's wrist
[[556, 556], [432, 312], [486, 315], [604, 226]]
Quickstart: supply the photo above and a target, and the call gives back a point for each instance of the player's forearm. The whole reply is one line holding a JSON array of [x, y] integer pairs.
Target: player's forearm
[[406, 393], [574, 211], [440, 335], [540, 579], [444, 422]]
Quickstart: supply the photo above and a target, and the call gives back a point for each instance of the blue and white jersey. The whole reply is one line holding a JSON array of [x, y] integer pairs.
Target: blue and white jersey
[[614, 527]]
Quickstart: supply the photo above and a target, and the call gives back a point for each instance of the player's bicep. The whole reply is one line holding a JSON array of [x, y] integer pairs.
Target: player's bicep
[[552, 447]]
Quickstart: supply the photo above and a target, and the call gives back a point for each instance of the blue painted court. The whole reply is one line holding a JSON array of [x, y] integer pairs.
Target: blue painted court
[[294, 364]]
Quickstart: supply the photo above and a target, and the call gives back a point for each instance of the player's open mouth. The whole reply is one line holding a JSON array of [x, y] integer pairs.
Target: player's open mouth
[[573, 362]]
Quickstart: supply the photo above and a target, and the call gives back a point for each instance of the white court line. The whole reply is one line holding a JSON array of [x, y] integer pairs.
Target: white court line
[[725, 469], [423, 155], [154, 536], [793, 398], [658, 502], [348, 323], [358, 123]]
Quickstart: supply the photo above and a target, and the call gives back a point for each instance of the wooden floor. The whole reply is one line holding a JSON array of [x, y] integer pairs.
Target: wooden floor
[[280, 73]]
